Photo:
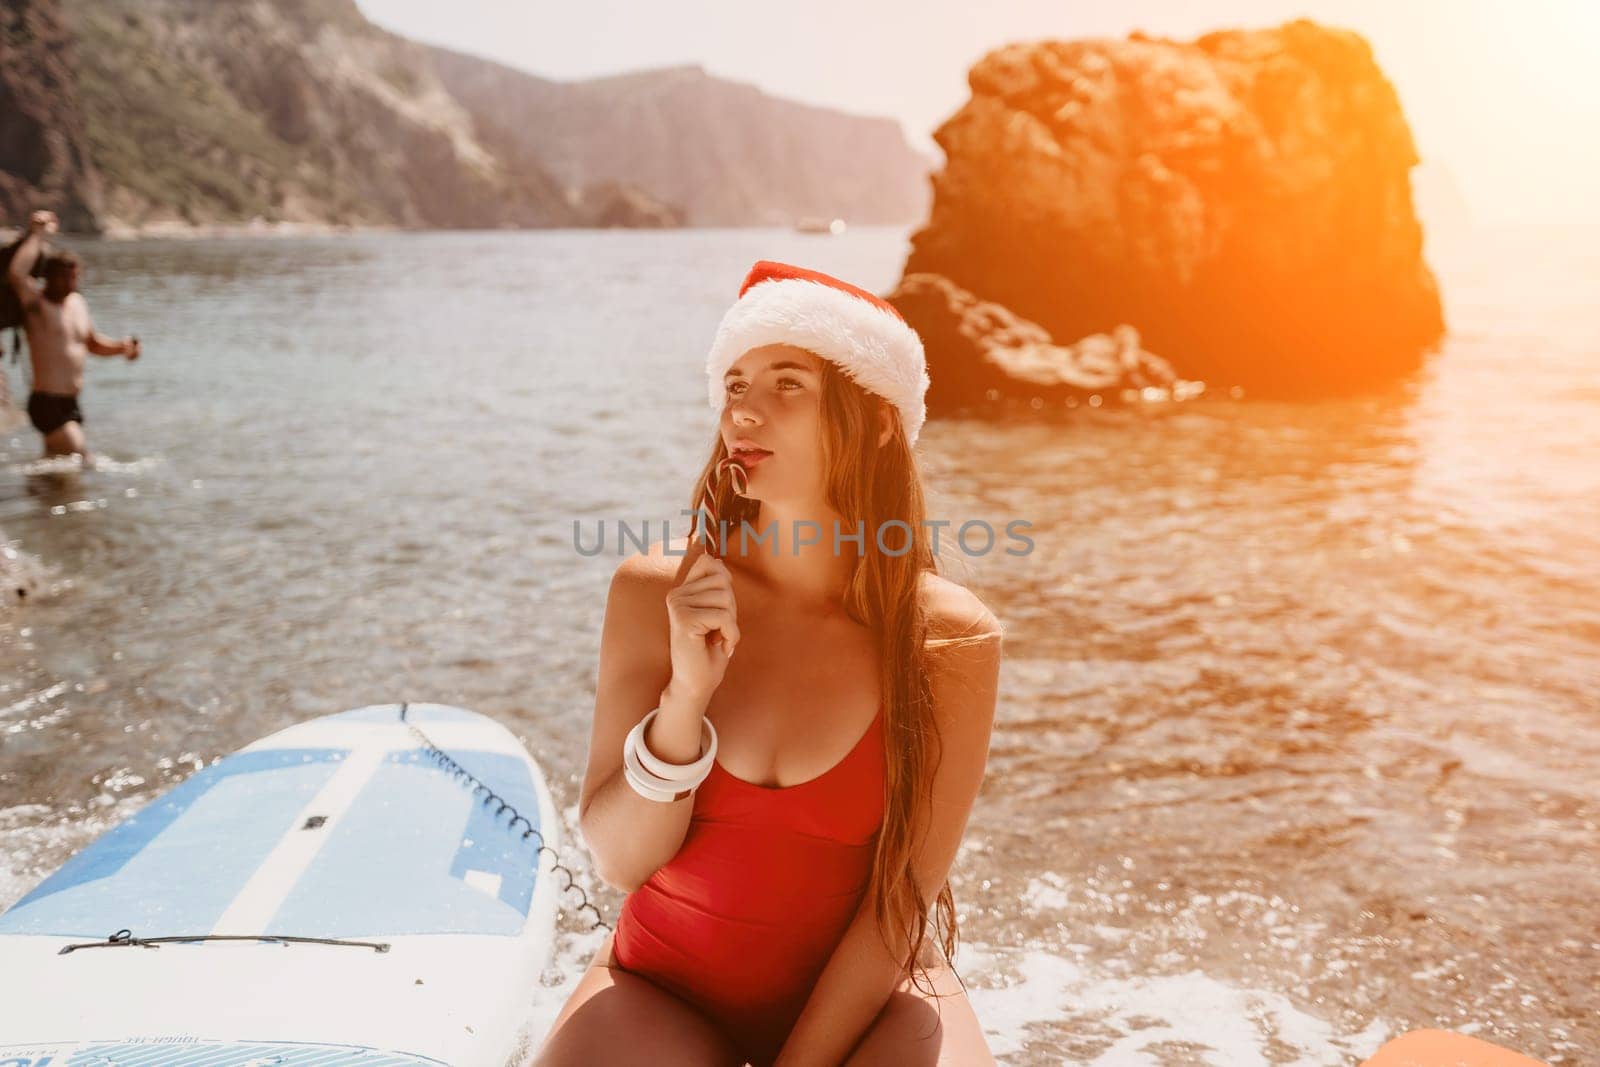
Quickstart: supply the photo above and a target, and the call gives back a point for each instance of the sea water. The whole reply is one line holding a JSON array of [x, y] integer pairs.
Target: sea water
[[1298, 739]]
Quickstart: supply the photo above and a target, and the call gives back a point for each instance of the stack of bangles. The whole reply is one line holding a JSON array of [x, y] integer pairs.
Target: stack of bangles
[[655, 779]]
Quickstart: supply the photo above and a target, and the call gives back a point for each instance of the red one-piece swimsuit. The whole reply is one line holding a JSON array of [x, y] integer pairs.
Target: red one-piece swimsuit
[[742, 921]]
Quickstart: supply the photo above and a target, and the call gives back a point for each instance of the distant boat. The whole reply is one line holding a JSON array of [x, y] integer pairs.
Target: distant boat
[[833, 227]]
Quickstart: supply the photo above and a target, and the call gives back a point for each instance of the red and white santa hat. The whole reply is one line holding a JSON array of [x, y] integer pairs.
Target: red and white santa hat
[[859, 332]]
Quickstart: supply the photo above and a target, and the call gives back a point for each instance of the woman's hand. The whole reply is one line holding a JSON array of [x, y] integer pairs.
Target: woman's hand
[[703, 625]]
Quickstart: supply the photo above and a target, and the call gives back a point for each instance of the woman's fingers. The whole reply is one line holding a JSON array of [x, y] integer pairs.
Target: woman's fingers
[[693, 563], [713, 580], [704, 618], [707, 564], [711, 616], [710, 589], [705, 602]]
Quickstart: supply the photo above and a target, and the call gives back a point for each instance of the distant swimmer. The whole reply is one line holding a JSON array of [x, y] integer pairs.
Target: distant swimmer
[[55, 319]]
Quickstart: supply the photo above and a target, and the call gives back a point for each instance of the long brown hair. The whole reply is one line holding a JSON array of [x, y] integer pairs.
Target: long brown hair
[[877, 485]]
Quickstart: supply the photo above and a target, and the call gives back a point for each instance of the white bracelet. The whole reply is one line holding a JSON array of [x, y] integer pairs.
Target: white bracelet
[[676, 772], [683, 777], [643, 782]]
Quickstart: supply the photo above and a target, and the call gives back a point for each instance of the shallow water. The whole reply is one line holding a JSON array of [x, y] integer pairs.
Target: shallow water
[[1300, 722]]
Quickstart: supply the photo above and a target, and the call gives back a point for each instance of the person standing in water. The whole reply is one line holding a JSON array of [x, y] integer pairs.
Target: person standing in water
[[784, 825], [61, 336]]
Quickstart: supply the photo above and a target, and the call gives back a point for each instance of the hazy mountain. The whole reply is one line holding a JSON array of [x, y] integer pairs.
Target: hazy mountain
[[727, 153]]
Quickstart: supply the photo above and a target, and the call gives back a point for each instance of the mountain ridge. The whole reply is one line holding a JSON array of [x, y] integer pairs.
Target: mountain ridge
[[727, 152], [166, 115]]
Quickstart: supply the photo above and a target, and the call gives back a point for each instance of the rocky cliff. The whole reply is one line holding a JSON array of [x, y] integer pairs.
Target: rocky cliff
[[44, 152], [296, 110], [1243, 200], [728, 154]]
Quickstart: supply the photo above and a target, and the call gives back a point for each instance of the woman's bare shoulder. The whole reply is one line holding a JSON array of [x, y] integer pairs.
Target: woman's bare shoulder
[[964, 650], [636, 606], [953, 610]]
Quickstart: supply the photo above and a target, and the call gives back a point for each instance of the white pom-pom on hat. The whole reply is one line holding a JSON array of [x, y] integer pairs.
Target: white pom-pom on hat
[[859, 332]]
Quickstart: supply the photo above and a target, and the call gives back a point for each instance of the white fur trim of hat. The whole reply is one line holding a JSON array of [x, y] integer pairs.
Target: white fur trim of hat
[[859, 332]]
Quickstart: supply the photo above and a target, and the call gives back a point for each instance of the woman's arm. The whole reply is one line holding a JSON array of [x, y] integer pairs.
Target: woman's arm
[[628, 836], [863, 971]]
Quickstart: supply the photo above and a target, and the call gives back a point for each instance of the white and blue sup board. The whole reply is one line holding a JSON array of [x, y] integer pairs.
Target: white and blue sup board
[[347, 828]]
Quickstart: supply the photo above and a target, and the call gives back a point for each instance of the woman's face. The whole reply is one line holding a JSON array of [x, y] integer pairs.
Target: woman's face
[[773, 402]]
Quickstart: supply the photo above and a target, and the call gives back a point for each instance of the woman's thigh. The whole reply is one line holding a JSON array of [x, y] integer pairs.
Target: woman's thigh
[[918, 1030], [614, 1017]]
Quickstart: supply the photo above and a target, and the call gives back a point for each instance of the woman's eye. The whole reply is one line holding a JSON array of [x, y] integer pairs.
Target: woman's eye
[[737, 387]]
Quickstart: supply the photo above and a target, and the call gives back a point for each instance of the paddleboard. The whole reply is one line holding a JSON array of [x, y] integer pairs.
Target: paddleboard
[[347, 828], [1445, 1048]]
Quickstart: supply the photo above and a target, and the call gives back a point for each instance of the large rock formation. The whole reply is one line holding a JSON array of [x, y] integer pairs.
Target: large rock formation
[[44, 151], [728, 153], [1243, 200]]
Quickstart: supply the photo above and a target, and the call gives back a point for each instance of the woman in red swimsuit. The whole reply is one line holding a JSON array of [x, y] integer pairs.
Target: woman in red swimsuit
[[783, 825]]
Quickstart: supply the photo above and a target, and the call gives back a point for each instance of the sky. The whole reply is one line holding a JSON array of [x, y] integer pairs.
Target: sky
[[1503, 96]]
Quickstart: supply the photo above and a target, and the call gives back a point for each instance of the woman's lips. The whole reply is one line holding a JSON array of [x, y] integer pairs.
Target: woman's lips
[[748, 459]]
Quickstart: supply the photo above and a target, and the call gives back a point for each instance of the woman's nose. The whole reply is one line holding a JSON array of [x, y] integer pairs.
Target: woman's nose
[[742, 411]]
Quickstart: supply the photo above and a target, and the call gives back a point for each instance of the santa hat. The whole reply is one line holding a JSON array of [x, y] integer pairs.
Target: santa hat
[[860, 333]]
